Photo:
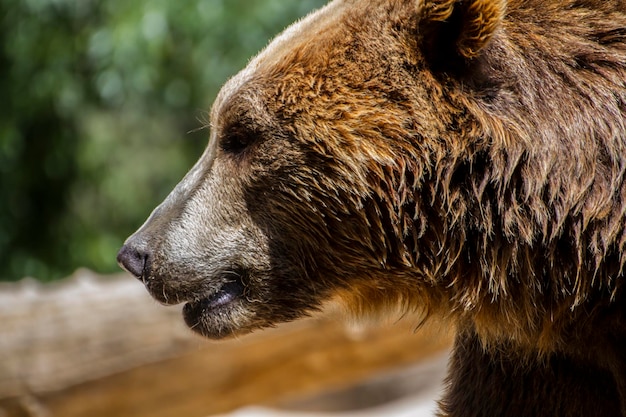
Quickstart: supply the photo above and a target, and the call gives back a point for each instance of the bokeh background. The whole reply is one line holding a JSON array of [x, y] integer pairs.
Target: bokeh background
[[103, 108]]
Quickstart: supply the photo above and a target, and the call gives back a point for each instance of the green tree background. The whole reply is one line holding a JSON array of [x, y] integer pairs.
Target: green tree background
[[100, 105]]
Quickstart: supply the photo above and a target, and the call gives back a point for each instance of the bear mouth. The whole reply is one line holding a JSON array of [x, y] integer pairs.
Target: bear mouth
[[228, 293], [197, 312]]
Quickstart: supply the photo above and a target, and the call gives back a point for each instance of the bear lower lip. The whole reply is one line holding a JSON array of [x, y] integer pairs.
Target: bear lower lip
[[209, 316], [230, 292], [219, 299]]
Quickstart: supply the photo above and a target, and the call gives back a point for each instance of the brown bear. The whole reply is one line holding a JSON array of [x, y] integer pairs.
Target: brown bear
[[462, 158]]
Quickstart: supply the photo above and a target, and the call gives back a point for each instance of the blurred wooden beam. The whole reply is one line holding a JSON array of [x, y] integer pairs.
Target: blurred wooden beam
[[302, 359], [299, 359]]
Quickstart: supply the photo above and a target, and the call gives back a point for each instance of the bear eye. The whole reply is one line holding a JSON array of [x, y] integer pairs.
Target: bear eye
[[237, 140]]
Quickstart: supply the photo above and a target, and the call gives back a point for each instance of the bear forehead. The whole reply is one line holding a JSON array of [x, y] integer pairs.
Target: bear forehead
[[311, 59]]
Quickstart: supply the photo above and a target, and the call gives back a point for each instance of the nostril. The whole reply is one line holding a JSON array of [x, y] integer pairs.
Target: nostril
[[133, 260]]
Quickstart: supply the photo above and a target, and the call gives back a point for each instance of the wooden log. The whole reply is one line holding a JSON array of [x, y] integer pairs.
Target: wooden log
[[86, 327], [101, 347]]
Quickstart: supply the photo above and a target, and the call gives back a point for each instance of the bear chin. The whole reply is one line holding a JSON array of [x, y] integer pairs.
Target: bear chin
[[210, 322], [217, 323]]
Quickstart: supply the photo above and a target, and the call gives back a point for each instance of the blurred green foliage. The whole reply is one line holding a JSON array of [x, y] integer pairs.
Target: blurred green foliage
[[101, 101]]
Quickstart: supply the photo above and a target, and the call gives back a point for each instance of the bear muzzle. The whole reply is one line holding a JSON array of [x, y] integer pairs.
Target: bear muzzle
[[224, 290]]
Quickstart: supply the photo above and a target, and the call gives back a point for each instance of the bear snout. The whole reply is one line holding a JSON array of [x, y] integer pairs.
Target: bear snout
[[134, 259]]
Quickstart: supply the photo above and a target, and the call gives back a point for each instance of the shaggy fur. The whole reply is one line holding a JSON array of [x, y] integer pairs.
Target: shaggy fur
[[464, 159]]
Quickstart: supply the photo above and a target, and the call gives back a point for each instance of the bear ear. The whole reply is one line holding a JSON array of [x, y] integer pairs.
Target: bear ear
[[455, 31]]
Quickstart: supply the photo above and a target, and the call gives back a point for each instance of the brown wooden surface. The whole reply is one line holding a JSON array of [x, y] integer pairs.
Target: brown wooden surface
[[271, 367], [53, 336]]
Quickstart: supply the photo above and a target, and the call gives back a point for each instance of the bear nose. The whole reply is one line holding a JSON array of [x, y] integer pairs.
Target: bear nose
[[134, 260]]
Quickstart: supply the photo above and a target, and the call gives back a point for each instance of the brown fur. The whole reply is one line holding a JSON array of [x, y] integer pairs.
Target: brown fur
[[464, 159]]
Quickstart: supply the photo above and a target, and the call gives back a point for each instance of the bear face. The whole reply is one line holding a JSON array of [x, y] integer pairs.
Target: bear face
[[251, 236], [462, 158]]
